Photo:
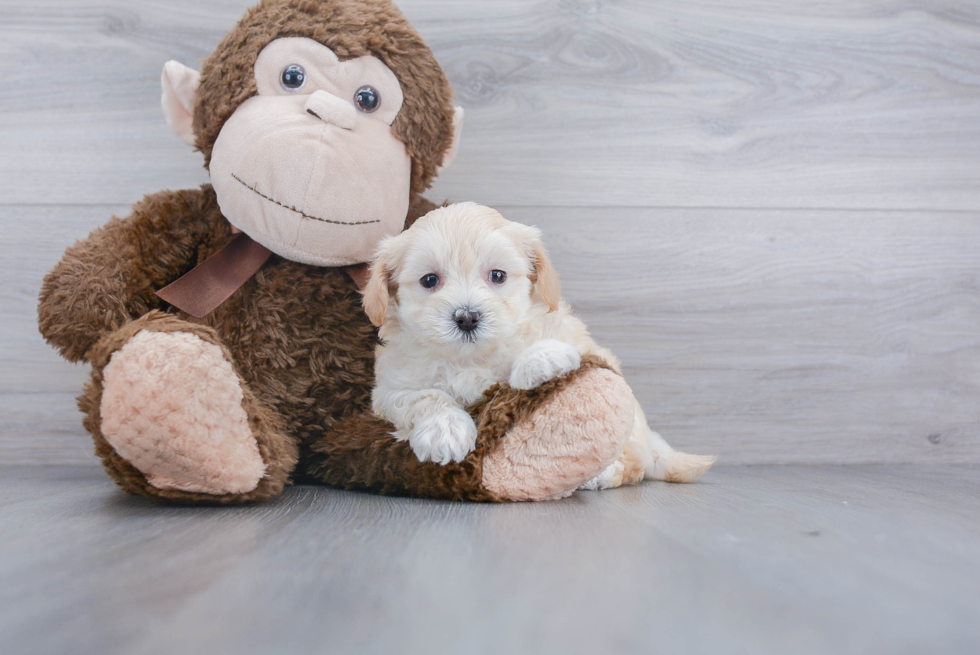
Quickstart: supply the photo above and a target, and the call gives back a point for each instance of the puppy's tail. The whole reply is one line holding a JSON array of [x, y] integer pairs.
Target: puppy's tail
[[672, 466], [678, 467]]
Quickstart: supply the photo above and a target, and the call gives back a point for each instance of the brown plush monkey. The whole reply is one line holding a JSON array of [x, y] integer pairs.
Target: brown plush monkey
[[321, 123]]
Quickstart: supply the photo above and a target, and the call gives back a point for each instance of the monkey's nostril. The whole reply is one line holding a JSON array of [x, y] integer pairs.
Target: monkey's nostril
[[467, 319], [313, 113]]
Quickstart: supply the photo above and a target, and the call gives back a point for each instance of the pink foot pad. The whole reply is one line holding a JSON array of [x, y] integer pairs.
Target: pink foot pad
[[573, 438], [172, 406]]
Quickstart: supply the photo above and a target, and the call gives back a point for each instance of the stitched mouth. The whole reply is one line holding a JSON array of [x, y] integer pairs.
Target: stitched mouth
[[293, 209]]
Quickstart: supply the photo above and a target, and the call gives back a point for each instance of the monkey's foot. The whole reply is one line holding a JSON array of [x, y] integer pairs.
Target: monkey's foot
[[172, 406], [579, 432]]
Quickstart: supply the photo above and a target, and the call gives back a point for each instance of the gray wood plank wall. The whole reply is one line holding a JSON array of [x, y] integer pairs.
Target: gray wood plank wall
[[770, 210]]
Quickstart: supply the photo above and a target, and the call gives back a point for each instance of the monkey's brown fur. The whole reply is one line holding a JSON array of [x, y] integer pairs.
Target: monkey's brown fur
[[339, 458], [295, 335]]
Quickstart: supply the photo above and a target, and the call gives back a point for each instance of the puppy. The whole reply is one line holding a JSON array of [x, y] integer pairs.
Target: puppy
[[466, 299]]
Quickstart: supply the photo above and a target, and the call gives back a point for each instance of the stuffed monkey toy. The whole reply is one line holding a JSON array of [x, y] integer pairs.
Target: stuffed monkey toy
[[230, 354]]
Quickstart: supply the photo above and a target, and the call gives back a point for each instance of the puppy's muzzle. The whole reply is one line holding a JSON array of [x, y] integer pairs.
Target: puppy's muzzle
[[466, 319]]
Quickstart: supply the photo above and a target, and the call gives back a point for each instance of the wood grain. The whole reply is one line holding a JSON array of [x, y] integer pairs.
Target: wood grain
[[760, 336], [762, 560], [848, 104], [779, 334], [786, 336], [44, 428]]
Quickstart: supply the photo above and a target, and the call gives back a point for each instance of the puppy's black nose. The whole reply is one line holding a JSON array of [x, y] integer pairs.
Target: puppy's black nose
[[467, 319]]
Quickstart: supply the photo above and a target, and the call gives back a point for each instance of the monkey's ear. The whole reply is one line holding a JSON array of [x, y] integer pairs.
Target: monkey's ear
[[457, 132], [179, 93]]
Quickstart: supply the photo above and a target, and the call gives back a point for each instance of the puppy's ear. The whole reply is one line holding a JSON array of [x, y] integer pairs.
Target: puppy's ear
[[547, 278], [379, 287], [543, 273]]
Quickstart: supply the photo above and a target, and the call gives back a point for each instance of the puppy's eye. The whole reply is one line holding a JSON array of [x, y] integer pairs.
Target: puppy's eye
[[293, 77], [429, 281], [498, 277], [367, 99]]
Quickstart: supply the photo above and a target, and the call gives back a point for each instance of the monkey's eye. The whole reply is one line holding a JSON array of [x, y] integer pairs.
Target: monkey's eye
[[429, 281], [367, 99], [293, 77], [498, 277]]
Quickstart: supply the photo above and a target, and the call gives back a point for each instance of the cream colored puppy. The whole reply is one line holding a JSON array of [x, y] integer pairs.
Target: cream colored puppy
[[466, 299]]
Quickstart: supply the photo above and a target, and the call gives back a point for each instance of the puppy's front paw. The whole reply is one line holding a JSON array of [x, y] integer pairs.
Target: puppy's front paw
[[448, 435], [545, 360]]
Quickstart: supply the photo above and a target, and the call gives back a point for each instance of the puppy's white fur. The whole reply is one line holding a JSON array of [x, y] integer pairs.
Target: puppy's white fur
[[429, 369]]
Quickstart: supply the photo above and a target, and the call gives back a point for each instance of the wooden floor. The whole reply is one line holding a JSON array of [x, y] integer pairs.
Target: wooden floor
[[755, 559], [769, 210]]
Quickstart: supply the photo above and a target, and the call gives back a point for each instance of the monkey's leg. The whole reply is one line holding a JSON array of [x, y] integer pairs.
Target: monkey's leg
[[171, 417], [532, 445]]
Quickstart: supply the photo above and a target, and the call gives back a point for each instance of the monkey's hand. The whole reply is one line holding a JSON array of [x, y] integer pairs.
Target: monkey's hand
[[542, 361], [110, 278]]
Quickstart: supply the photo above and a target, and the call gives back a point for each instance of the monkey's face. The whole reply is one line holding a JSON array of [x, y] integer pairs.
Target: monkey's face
[[310, 167]]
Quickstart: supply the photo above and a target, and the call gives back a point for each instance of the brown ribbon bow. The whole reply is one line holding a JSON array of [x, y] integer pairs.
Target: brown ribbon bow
[[210, 283]]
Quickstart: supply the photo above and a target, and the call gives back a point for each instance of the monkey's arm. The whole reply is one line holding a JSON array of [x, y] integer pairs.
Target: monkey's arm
[[532, 445], [110, 278]]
